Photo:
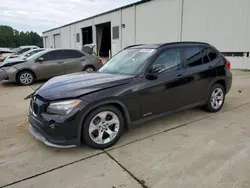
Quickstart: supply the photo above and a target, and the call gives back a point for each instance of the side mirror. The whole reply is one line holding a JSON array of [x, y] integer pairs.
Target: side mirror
[[154, 71], [40, 59]]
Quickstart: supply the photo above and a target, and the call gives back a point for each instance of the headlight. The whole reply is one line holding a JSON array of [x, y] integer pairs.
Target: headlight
[[63, 107]]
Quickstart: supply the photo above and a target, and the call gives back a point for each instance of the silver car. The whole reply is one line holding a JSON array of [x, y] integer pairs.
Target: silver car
[[47, 64]]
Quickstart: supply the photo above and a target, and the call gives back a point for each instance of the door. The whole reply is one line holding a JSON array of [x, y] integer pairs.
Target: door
[[166, 92], [72, 61], [50, 66], [57, 41], [199, 64]]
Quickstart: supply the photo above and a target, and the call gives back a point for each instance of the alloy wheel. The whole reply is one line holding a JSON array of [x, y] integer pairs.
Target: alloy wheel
[[26, 78], [217, 98], [89, 69], [104, 127]]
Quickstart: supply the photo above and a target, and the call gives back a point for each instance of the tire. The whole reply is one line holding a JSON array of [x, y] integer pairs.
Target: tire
[[97, 125], [216, 98], [25, 77], [89, 69]]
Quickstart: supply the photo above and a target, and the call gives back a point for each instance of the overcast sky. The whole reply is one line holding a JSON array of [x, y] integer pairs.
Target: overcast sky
[[41, 15]]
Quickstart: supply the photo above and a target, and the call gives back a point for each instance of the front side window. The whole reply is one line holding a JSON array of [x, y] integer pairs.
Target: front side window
[[128, 62], [51, 56], [170, 58]]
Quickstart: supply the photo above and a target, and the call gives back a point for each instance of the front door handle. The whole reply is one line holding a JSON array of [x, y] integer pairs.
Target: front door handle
[[179, 76], [60, 62]]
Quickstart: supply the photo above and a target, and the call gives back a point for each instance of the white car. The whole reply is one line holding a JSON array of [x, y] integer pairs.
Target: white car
[[23, 56]]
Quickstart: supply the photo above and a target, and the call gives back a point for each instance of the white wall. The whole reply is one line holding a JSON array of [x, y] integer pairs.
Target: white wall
[[158, 21], [128, 33], [239, 62], [65, 37], [222, 23]]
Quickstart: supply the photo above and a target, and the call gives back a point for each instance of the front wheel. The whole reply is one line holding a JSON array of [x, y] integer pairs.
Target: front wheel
[[103, 127], [25, 78], [216, 98]]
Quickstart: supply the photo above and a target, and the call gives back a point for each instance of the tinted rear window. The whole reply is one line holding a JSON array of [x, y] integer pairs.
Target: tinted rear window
[[196, 56]]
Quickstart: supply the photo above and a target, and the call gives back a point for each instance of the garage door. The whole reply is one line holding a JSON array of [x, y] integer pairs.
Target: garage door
[[57, 41], [46, 42]]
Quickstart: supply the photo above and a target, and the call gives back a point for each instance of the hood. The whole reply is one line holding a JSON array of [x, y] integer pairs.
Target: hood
[[78, 84], [11, 62]]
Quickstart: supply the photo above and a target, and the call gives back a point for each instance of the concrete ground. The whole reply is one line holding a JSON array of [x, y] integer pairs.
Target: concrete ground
[[189, 149]]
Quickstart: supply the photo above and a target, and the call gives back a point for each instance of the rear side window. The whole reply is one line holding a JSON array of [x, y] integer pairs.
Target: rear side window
[[196, 56], [211, 54], [71, 54], [54, 55]]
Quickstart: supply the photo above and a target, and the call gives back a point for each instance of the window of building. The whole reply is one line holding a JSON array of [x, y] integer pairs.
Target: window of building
[[78, 37], [116, 32]]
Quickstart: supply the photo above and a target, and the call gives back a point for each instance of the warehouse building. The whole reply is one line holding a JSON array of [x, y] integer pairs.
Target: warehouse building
[[222, 23]]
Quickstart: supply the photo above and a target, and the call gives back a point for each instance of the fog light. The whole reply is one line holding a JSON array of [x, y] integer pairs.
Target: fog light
[[53, 125]]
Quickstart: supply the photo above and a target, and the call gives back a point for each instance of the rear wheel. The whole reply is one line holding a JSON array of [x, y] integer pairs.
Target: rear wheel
[[89, 69], [25, 78], [216, 98], [103, 127]]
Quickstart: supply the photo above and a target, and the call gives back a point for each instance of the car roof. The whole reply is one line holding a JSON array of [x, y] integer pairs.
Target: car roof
[[54, 49], [28, 47], [156, 46]]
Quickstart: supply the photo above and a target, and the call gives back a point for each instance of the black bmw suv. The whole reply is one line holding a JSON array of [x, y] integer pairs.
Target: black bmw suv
[[139, 83]]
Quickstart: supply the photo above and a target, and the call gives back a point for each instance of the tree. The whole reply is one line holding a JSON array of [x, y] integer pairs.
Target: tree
[[10, 37]]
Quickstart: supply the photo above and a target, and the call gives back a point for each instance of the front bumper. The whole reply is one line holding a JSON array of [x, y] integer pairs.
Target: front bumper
[[8, 73], [3, 75], [41, 138]]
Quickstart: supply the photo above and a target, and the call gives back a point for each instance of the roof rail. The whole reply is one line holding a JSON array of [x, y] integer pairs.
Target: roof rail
[[132, 46], [183, 42]]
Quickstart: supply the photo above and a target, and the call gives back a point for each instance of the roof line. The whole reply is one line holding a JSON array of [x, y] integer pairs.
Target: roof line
[[113, 10]]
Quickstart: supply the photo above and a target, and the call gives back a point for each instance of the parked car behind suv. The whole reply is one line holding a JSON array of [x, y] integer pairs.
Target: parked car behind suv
[[139, 83], [47, 64], [23, 56]]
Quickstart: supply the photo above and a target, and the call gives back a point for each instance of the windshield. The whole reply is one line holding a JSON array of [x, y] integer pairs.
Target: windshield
[[128, 62], [31, 52]]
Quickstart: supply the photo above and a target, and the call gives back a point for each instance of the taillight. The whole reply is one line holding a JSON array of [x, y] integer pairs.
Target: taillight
[[228, 64], [99, 59]]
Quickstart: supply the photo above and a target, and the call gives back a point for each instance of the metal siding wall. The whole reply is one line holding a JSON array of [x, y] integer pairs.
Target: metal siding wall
[[128, 33], [158, 21], [65, 37], [224, 23], [72, 36]]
